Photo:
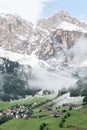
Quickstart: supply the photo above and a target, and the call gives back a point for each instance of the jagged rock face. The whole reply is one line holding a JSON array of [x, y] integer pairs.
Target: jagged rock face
[[62, 36], [49, 39], [67, 38], [14, 32], [19, 35], [54, 21], [58, 44]]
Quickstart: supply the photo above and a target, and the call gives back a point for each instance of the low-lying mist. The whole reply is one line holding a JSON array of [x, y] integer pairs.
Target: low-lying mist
[[50, 80], [79, 51], [38, 76], [55, 80]]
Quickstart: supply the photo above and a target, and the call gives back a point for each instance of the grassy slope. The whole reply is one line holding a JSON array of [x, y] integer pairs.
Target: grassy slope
[[4, 105], [78, 118], [32, 124]]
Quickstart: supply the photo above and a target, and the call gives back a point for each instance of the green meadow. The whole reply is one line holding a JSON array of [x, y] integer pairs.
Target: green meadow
[[76, 121]]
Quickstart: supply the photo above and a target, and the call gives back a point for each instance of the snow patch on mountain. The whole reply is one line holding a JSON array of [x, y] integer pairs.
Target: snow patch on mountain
[[20, 58], [21, 37], [70, 27], [44, 30]]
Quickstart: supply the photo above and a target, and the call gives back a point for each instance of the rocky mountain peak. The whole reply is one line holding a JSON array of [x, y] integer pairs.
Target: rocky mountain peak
[[54, 21], [51, 38]]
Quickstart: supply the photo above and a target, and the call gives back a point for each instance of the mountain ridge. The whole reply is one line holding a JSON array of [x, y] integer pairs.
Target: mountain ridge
[[45, 54], [59, 17]]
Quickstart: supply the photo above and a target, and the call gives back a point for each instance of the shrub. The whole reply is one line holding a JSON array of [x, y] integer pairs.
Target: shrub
[[65, 116], [63, 120], [4, 119], [68, 114], [64, 110], [61, 124], [42, 126], [70, 108]]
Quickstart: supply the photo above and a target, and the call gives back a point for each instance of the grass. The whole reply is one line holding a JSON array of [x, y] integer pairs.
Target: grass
[[4, 105], [78, 118], [32, 124]]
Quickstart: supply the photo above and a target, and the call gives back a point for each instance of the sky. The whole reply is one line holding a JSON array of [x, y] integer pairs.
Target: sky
[[32, 10]]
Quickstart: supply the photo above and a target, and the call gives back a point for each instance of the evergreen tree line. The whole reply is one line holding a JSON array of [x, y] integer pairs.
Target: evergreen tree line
[[13, 86]]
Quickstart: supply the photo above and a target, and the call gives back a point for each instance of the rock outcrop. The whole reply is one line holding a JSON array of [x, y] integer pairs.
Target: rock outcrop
[[54, 21], [51, 38]]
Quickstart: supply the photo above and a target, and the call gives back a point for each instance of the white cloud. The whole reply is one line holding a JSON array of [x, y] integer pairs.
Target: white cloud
[[31, 10]]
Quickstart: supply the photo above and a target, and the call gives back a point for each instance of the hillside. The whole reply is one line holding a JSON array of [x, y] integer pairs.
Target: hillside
[[47, 117]]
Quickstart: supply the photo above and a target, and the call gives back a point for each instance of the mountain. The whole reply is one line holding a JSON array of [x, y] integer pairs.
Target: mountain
[[54, 21], [64, 33], [49, 55], [47, 39]]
